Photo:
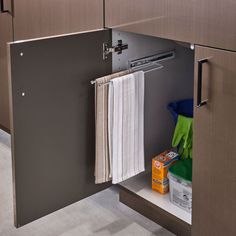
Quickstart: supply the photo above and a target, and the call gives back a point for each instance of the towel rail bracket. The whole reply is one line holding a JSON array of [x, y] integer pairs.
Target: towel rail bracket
[[119, 48]]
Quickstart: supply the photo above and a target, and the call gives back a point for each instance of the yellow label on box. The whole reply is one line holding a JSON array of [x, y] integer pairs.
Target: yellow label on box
[[160, 186]]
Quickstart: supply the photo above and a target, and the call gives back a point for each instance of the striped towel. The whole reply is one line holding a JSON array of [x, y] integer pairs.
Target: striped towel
[[102, 159], [126, 126]]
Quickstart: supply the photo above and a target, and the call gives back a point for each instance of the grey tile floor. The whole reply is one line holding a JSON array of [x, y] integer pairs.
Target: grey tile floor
[[101, 214]]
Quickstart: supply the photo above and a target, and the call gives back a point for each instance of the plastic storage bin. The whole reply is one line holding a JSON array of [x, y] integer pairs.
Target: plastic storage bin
[[183, 107], [180, 184]]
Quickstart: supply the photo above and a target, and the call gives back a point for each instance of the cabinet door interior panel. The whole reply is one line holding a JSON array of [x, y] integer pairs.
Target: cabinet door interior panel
[[162, 18], [53, 133], [214, 175], [214, 23], [45, 18], [5, 36]]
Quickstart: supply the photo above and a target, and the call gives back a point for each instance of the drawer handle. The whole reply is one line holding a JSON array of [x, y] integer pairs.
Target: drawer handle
[[200, 103]]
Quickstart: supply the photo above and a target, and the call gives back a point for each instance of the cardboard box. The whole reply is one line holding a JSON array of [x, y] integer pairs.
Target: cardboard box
[[160, 166], [160, 186]]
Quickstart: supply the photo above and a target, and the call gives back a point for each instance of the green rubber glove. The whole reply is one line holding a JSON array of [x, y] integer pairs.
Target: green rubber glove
[[183, 136]]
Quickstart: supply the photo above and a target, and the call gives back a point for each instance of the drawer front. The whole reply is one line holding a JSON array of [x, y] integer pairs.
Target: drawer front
[[162, 18], [214, 23], [42, 18], [204, 22]]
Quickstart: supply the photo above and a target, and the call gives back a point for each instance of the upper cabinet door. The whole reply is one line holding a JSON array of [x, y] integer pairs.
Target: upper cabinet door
[[41, 18], [214, 161], [162, 18], [204, 22], [214, 23]]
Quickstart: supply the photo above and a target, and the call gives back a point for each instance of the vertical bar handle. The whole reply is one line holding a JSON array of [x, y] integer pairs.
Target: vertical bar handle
[[200, 102], [2, 10]]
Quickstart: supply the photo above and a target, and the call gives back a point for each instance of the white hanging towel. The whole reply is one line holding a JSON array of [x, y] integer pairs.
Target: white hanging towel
[[126, 126]]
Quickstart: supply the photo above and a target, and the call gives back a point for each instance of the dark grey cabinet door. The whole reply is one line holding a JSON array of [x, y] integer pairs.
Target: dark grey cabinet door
[[53, 121], [214, 162], [5, 37], [33, 19], [169, 19]]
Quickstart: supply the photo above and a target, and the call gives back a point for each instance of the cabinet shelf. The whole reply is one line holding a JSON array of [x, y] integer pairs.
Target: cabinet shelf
[[141, 186]]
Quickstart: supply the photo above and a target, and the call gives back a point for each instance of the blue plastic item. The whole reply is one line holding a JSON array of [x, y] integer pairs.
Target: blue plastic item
[[183, 107]]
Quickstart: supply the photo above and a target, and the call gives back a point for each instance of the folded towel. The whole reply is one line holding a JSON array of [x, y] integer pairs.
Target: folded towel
[[102, 162], [126, 126]]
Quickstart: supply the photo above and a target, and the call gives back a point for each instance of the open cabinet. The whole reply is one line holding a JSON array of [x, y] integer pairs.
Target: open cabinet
[[52, 116], [53, 112]]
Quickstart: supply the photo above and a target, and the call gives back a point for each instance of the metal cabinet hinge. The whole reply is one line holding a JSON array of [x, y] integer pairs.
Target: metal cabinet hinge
[[114, 49]]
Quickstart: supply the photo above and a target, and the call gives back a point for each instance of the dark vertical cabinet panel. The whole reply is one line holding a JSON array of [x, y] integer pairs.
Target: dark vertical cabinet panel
[[214, 175], [5, 36], [33, 19], [214, 23], [53, 121], [169, 19]]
